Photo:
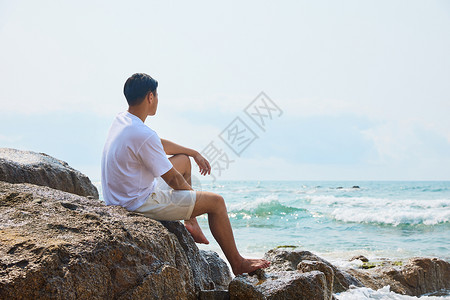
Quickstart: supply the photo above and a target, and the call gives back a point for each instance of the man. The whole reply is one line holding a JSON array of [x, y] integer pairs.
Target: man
[[136, 172]]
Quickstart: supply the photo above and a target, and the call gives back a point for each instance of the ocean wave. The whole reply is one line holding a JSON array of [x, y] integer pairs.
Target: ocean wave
[[432, 189], [264, 206], [332, 200], [383, 211], [392, 216]]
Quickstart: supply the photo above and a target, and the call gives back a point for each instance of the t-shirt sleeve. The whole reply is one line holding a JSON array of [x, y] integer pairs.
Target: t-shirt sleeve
[[153, 156]]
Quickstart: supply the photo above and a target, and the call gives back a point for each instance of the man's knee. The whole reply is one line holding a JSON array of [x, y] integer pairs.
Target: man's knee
[[219, 202], [185, 160], [216, 199], [208, 202], [181, 162]]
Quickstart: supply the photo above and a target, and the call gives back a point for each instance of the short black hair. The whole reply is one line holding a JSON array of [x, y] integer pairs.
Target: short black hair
[[137, 87]]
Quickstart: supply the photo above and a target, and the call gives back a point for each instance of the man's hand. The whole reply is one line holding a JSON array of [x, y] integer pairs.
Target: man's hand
[[202, 163]]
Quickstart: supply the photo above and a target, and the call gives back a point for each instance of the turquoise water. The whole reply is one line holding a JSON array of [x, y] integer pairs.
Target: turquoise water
[[337, 219]]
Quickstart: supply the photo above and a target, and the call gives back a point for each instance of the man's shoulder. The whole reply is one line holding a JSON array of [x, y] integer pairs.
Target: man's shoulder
[[133, 123], [141, 133], [131, 130]]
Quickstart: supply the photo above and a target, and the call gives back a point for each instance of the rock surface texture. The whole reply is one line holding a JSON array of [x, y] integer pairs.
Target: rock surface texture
[[54, 244], [297, 274], [210, 272], [17, 166], [292, 274]]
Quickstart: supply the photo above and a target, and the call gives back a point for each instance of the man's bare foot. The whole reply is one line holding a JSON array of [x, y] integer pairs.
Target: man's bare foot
[[249, 265], [195, 230]]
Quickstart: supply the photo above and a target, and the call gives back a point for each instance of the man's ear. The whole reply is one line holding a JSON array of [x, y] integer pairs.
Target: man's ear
[[149, 97]]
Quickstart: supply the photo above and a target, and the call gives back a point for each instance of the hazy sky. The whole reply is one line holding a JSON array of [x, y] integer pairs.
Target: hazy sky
[[364, 86]]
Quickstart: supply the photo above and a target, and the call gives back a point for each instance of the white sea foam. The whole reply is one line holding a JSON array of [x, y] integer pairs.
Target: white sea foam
[[392, 216], [253, 204], [332, 200], [384, 211], [382, 294]]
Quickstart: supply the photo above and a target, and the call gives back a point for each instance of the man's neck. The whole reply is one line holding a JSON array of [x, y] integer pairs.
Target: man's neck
[[138, 112]]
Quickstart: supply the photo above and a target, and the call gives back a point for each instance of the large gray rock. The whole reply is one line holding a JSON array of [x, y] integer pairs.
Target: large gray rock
[[55, 244], [17, 166], [220, 272], [210, 272]]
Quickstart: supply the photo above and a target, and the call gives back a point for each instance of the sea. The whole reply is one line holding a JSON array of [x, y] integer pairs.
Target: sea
[[338, 220]]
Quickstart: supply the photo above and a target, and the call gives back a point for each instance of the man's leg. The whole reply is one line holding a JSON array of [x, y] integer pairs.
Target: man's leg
[[182, 164], [219, 223]]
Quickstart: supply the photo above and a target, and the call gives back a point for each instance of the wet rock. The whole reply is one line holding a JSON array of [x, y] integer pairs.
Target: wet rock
[[67, 246], [17, 166], [281, 285], [415, 278], [308, 266], [287, 260]]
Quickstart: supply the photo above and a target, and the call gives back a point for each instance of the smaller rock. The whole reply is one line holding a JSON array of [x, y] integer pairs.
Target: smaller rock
[[417, 277], [281, 285], [287, 260], [359, 257], [308, 266]]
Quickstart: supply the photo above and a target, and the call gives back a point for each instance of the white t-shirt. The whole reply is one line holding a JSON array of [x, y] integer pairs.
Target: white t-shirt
[[133, 157]]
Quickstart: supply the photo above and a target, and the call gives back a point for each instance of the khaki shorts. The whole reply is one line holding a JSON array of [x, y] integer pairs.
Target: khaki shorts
[[167, 204]]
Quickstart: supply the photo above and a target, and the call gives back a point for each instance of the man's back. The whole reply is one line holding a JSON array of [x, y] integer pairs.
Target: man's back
[[132, 158]]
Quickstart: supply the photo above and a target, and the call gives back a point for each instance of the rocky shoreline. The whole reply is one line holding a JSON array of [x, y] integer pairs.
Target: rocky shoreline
[[60, 244]]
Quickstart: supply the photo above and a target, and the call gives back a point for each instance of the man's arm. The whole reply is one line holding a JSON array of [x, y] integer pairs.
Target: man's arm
[[171, 149], [175, 180]]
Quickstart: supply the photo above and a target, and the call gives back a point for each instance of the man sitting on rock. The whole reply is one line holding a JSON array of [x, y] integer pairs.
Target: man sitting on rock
[[137, 175]]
